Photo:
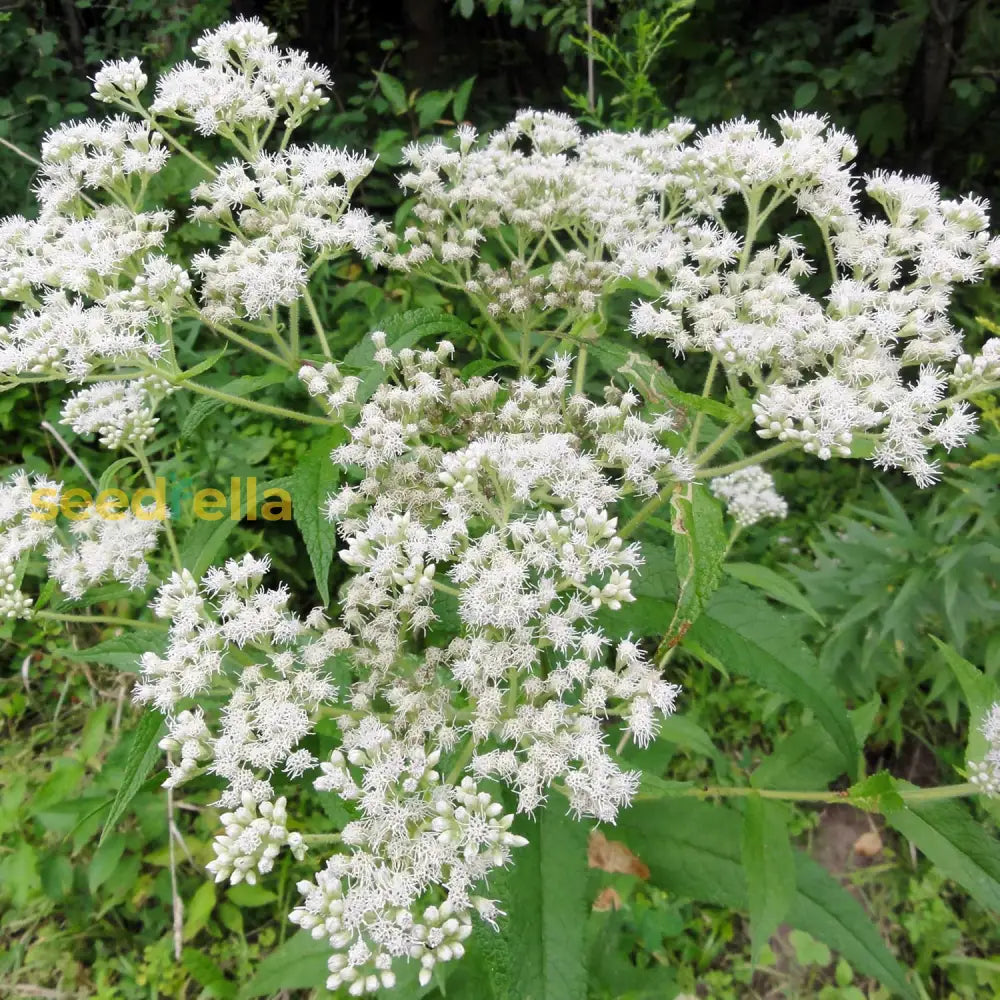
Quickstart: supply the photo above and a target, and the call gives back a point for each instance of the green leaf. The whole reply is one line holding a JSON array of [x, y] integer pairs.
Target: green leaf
[[774, 585], [393, 91], [207, 974], [770, 869], [807, 757], [959, 846], [693, 849], [462, 95], [699, 548], [109, 475], [547, 909], [876, 793], [141, 757], [122, 652], [199, 909], [298, 964], [824, 908], [202, 366], [805, 93], [740, 632], [314, 479], [105, 860], [242, 386], [980, 693]]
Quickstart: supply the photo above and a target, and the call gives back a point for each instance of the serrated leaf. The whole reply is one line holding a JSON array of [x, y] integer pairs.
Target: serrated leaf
[[959, 846], [141, 757], [546, 905], [769, 863], [298, 964], [693, 849], [242, 386], [740, 632], [314, 479], [699, 548], [774, 585]]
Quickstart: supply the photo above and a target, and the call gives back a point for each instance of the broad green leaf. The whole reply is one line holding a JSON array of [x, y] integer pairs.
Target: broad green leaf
[[104, 861], [393, 91], [699, 548], [462, 95], [769, 864], [314, 479], [122, 652], [547, 909], [960, 847], [245, 385], [807, 757], [740, 632], [198, 909], [825, 909], [693, 849], [298, 964], [774, 585], [141, 757]]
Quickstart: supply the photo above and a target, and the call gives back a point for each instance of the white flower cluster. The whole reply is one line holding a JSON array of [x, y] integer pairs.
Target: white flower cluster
[[280, 208], [243, 83], [254, 835], [986, 773], [95, 287], [275, 697], [121, 413], [569, 216], [414, 833], [749, 495], [97, 549]]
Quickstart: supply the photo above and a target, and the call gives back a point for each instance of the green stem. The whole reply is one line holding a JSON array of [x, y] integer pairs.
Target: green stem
[[756, 459], [250, 404], [581, 370], [237, 338], [727, 434], [293, 328], [57, 616], [317, 325], [147, 469], [463, 758], [650, 507], [322, 838], [908, 795], [706, 391]]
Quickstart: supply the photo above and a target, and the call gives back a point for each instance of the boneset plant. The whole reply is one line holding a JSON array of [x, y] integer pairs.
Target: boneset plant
[[497, 642]]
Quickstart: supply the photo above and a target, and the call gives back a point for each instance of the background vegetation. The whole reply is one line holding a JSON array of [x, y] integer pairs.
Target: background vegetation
[[880, 570]]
